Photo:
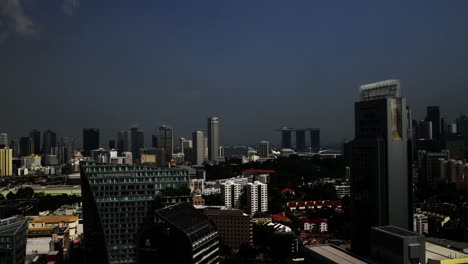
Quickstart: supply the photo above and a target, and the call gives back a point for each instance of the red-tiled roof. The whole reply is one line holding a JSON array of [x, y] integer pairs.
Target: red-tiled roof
[[287, 190], [280, 218], [319, 220], [292, 204]]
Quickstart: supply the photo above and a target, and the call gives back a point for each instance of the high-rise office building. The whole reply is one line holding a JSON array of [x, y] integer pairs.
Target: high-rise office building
[[433, 115], [264, 149], [205, 148], [165, 141], [90, 140], [462, 127], [13, 236], [112, 144], [6, 162], [197, 139], [123, 142], [285, 138], [315, 140], [154, 141], [300, 141], [35, 135], [50, 141], [257, 197], [137, 143], [379, 167], [116, 200], [66, 149], [16, 147], [26, 146], [4, 140], [213, 138]]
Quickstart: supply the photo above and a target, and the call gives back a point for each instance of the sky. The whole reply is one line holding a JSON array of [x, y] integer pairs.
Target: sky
[[257, 65]]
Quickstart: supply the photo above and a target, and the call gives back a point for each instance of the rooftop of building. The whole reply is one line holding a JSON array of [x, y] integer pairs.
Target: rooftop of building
[[51, 219], [396, 231], [453, 245], [334, 254], [436, 252], [12, 225], [186, 218]]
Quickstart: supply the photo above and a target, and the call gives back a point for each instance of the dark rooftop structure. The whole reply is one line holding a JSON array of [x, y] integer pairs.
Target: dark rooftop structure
[[178, 234]]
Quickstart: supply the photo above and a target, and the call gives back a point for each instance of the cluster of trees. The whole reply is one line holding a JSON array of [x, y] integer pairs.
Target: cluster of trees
[[46, 202]]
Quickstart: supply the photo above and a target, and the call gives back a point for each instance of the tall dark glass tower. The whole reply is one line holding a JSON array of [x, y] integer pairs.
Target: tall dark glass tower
[[300, 140], [213, 138], [137, 137], [50, 141], [379, 166], [35, 135], [90, 140], [433, 115], [315, 140], [165, 141]]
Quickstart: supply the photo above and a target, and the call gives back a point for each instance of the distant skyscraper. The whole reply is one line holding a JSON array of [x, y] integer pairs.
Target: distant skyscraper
[[6, 162], [113, 216], [16, 147], [3, 140], [213, 138], [154, 141], [137, 143], [285, 138], [379, 169], [26, 146], [123, 142], [433, 115], [50, 141], [315, 140], [264, 149], [462, 127], [165, 141], [66, 149], [35, 135], [300, 140], [90, 140], [112, 144], [205, 148], [197, 139]]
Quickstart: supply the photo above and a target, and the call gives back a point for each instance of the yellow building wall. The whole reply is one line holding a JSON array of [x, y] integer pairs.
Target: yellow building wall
[[6, 162], [449, 261]]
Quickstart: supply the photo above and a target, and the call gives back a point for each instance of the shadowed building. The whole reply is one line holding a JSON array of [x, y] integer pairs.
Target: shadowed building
[[197, 154], [300, 140], [90, 140], [50, 141], [26, 146], [213, 138], [165, 141], [379, 167], [137, 141], [13, 236], [35, 135], [116, 199], [178, 234]]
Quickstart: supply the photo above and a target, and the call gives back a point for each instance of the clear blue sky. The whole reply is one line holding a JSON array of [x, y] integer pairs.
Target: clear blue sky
[[258, 65]]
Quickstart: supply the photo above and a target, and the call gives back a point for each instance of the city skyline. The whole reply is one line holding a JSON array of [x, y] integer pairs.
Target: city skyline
[[256, 66]]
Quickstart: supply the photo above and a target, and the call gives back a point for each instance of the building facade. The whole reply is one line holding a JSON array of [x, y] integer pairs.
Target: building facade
[[379, 166], [257, 197], [198, 146], [90, 140], [116, 199], [213, 138], [264, 149], [6, 162], [13, 236], [231, 194]]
